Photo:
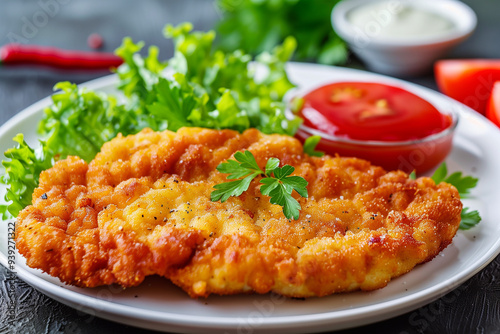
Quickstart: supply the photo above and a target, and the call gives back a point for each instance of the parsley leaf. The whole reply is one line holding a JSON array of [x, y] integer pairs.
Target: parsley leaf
[[269, 184], [271, 165], [234, 188], [280, 189], [469, 219], [280, 196], [464, 184], [244, 166], [298, 183], [276, 183], [310, 146], [247, 160], [440, 173]]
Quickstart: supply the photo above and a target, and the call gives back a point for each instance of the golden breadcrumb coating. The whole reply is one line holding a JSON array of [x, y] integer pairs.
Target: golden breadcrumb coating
[[142, 207]]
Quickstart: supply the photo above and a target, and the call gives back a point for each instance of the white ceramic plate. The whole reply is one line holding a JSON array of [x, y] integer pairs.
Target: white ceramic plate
[[157, 304]]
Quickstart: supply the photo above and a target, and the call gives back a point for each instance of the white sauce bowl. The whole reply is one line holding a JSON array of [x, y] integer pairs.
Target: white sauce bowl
[[402, 56]]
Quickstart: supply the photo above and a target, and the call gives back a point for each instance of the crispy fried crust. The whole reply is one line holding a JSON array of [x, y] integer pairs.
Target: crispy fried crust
[[142, 207]]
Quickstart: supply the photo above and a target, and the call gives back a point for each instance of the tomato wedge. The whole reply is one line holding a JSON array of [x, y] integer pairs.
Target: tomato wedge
[[468, 80], [493, 109]]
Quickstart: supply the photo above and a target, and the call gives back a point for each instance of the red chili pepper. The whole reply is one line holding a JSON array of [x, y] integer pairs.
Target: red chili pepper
[[20, 54]]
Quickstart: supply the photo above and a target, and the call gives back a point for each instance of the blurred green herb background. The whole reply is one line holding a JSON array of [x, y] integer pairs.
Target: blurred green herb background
[[258, 25]]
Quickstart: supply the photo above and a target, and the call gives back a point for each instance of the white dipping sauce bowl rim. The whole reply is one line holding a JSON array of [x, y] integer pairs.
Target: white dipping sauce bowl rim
[[463, 17]]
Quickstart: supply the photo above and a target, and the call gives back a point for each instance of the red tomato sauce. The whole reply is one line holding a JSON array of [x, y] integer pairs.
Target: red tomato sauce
[[371, 111]]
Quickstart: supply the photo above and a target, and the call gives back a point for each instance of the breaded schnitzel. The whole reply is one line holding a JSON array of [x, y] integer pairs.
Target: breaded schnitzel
[[142, 207]]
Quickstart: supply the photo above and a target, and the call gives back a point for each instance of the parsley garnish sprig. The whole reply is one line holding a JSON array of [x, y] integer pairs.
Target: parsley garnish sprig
[[310, 146], [470, 218], [464, 184], [276, 182]]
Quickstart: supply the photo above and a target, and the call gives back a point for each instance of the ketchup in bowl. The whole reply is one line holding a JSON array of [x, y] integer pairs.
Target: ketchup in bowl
[[387, 125]]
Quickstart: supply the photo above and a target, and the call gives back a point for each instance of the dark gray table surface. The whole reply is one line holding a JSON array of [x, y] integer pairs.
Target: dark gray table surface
[[474, 307]]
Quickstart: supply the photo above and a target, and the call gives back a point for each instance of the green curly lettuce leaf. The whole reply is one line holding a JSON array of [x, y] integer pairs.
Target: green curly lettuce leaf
[[138, 74], [78, 122], [22, 170], [233, 97]]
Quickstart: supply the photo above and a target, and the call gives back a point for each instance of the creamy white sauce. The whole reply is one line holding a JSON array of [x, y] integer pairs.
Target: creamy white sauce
[[398, 20]]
